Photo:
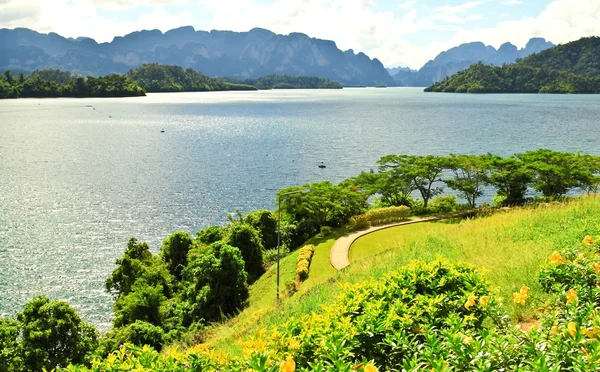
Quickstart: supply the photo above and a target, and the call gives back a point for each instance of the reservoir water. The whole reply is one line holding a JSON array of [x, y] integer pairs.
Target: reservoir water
[[79, 177]]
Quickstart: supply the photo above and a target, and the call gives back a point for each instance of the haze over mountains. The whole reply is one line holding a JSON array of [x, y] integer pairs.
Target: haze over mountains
[[251, 54], [461, 57]]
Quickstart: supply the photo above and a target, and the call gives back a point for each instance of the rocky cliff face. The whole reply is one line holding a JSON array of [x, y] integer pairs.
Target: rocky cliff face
[[217, 53], [463, 56]]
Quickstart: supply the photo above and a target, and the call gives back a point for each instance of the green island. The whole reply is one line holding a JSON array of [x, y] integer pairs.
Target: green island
[[162, 78], [151, 78], [54, 83], [275, 81], [478, 293], [569, 68]]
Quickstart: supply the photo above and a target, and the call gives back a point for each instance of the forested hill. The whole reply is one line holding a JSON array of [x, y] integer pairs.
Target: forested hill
[[54, 83], [579, 57], [274, 81], [569, 68], [161, 78]]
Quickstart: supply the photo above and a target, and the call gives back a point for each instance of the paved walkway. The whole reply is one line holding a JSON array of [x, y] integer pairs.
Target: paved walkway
[[338, 256]]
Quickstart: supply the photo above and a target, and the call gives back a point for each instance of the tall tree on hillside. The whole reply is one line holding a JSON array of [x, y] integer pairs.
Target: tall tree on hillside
[[470, 176]]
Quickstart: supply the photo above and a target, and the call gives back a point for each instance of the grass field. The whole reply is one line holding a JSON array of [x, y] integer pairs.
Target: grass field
[[508, 246]]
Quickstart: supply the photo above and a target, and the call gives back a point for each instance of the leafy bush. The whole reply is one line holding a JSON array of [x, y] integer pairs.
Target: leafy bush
[[211, 234], [265, 222], [143, 303], [247, 240], [139, 333], [215, 283], [174, 252], [380, 216], [359, 222], [325, 231], [444, 204], [303, 263]]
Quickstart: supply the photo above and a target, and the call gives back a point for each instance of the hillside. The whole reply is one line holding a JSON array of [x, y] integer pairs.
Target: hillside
[[569, 68], [251, 54], [275, 81], [428, 316], [160, 78]]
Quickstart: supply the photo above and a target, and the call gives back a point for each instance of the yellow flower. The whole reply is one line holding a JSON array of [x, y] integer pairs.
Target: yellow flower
[[484, 301], [571, 295], [572, 329], [554, 330], [294, 344], [520, 298], [597, 267], [370, 368], [288, 366], [588, 240], [467, 340], [556, 258], [470, 301], [524, 290], [590, 333]]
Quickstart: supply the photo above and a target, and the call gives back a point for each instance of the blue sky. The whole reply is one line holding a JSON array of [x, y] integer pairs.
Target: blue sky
[[403, 32]]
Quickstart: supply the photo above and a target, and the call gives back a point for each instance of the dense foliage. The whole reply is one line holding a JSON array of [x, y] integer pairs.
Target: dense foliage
[[46, 335], [551, 173], [275, 81], [570, 68], [434, 316], [480, 78], [53, 83], [162, 78]]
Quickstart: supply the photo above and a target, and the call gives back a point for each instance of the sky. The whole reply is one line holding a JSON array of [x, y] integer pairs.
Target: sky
[[398, 33]]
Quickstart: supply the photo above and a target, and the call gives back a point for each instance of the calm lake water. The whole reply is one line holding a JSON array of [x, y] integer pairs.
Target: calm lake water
[[79, 177]]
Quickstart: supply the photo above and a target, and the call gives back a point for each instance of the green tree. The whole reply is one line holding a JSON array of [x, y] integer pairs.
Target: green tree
[[393, 188], [470, 176], [265, 222], [215, 283], [10, 350], [174, 252], [53, 335], [554, 173], [142, 303], [138, 263], [247, 240], [326, 205], [511, 177], [211, 234], [8, 76], [421, 172]]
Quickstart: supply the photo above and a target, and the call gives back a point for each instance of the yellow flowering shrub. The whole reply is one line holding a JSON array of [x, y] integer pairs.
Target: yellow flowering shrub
[[303, 263]]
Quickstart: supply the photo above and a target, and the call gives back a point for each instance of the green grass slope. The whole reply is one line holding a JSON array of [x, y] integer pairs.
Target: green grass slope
[[508, 246]]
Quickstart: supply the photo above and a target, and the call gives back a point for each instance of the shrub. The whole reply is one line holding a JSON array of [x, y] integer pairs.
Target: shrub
[[443, 204], [303, 263], [142, 303], [359, 222], [380, 216], [326, 231]]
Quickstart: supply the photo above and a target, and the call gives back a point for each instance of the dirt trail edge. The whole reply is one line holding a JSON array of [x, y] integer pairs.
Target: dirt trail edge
[[338, 255]]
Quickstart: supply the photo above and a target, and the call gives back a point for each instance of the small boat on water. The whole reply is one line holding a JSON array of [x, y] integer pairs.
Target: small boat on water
[[322, 165], [162, 130]]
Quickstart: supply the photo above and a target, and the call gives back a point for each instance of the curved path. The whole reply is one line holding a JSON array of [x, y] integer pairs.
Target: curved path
[[338, 256]]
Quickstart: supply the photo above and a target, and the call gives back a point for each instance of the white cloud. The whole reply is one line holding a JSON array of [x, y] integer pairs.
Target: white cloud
[[560, 22], [512, 2]]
